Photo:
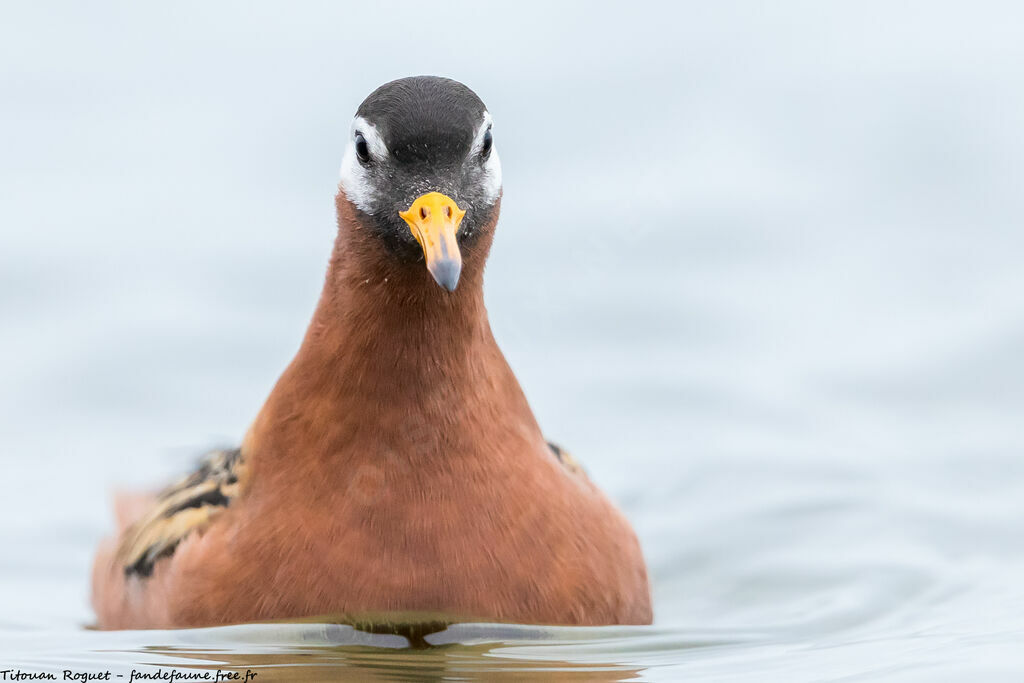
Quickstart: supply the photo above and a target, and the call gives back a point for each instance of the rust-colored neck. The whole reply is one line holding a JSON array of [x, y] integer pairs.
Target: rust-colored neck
[[391, 362], [377, 302]]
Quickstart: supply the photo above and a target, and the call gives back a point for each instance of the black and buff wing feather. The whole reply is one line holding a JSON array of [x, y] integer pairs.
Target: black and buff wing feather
[[567, 460], [181, 509]]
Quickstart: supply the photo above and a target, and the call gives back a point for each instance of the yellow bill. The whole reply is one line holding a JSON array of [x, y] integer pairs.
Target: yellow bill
[[434, 219]]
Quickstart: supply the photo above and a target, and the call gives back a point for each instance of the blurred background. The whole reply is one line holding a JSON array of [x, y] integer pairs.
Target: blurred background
[[760, 269]]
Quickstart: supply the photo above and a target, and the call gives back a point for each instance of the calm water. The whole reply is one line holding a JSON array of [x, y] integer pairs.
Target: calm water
[[761, 272]]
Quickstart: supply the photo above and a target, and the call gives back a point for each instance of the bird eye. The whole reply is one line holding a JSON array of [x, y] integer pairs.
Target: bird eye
[[362, 149], [485, 148]]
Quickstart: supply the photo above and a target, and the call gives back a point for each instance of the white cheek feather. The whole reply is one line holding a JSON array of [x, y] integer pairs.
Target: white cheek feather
[[492, 167], [358, 183], [356, 180]]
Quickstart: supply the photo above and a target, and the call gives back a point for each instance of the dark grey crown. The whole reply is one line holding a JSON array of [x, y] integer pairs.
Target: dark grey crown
[[424, 119]]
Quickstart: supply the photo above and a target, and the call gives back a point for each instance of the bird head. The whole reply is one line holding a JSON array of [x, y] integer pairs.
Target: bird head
[[422, 173]]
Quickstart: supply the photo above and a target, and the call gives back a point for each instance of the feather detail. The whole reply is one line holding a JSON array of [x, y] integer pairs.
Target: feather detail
[[567, 460], [187, 506]]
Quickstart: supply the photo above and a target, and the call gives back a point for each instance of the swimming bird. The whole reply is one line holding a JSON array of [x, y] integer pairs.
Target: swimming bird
[[396, 471]]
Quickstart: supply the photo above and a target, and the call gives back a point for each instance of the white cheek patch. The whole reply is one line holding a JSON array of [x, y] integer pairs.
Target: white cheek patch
[[359, 183], [492, 167], [356, 180]]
